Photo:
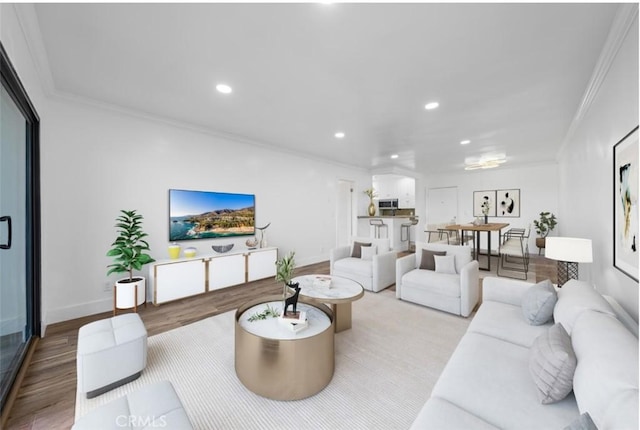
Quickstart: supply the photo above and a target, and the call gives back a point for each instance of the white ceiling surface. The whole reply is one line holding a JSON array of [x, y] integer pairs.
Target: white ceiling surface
[[509, 77]]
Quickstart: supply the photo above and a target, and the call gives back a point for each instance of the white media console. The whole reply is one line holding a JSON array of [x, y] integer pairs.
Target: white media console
[[184, 277]]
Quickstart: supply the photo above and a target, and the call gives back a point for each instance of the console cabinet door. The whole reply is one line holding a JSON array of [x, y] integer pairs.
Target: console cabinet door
[[262, 264], [226, 271], [177, 280]]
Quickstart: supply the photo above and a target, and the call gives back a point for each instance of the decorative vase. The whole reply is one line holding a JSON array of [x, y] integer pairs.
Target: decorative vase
[[371, 209], [174, 251], [486, 219]]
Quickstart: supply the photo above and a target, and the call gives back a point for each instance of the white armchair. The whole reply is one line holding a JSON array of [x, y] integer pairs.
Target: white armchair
[[454, 289], [374, 272]]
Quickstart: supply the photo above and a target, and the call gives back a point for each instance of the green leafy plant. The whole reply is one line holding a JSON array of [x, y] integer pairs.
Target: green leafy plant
[[284, 271], [545, 224], [128, 248], [269, 312]]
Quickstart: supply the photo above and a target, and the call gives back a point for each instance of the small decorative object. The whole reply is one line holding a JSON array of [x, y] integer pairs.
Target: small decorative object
[[222, 248], [252, 242], [292, 301], [322, 281], [544, 226], [371, 193], [263, 235], [190, 252], [625, 205], [174, 251]]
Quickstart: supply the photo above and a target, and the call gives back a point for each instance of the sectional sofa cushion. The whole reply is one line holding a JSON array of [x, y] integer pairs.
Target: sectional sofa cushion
[[607, 368], [552, 364], [427, 262], [432, 282], [538, 302], [439, 414], [489, 378], [356, 251], [574, 298], [583, 422]]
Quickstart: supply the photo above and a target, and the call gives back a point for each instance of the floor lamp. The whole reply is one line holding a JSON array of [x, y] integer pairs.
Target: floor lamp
[[568, 251]]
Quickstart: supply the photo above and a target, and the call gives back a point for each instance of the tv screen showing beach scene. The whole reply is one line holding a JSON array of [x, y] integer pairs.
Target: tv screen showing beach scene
[[208, 215]]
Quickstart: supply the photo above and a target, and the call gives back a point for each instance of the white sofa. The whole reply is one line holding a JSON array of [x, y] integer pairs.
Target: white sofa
[[374, 274], [457, 293], [487, 383]]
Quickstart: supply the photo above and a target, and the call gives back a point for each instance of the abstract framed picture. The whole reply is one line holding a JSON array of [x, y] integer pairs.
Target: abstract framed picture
[[625, 205], [483, 198], [508, 203]]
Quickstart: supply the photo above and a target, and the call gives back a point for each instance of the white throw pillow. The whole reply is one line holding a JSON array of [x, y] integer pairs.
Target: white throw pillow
[[368, 252], [552, 364], [445, 264], [538, 303]]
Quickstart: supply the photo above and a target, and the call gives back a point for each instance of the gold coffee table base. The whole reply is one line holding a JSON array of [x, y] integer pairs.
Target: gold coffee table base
[[284, 369]]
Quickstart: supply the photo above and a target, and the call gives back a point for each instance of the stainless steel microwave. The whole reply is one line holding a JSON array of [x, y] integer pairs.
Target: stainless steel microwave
[[388, 203]]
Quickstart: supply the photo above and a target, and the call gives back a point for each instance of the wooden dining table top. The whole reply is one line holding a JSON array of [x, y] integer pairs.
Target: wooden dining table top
[[494, 226]]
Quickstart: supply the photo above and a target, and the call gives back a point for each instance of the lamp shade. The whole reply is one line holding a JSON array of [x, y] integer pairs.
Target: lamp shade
[[568, 249]]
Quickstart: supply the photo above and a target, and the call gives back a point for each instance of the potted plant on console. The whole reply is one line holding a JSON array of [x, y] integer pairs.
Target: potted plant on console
[[128, 251], [544, 225]]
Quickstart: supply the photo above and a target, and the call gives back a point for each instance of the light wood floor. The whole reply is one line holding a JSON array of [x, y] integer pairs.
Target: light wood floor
[[46, 399]]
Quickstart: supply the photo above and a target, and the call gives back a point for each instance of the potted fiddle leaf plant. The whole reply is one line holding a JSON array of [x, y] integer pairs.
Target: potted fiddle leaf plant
[[284, 271], [129, 254], [544, 225]]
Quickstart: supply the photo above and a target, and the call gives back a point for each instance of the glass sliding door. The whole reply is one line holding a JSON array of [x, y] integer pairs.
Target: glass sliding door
[[19, 227]]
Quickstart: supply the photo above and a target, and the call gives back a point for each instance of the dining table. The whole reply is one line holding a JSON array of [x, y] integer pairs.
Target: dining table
[[476, 229]]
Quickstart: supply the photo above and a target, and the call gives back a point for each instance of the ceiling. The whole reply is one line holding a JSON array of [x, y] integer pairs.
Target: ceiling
[[508, 77]]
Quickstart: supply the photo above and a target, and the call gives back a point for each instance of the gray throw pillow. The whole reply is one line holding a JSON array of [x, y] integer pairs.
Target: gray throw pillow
[[356, 252], [538, 303], [583, 422], [552, 364], [427, 262]]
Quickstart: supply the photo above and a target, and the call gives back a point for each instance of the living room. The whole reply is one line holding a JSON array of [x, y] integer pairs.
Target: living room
[[97, 158]]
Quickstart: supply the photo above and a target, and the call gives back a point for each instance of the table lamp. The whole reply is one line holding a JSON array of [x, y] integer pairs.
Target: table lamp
[[568, 251]]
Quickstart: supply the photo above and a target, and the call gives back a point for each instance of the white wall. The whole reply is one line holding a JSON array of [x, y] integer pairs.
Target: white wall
[[586, 176], [538, 186]]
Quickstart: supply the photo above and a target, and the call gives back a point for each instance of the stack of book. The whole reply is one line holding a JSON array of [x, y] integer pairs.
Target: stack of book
[[294, 322], [322, 281]]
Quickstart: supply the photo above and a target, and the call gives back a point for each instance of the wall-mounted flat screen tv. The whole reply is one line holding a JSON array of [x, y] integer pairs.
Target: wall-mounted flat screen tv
[[208, 215]]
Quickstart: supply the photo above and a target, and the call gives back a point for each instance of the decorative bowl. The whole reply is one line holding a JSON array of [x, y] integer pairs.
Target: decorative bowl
[[251, 242], [222, 248], [190, 252]]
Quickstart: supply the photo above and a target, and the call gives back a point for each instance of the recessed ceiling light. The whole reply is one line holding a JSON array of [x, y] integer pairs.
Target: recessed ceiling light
[[394, 156], [465, 142], [339, 135], [223, 88], [431, 105]]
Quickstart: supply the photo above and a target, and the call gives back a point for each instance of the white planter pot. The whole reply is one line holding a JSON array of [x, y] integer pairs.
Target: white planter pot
[[125, 293]]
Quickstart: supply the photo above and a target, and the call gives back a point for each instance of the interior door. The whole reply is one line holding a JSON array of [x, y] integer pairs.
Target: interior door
[[344, 213], [442, 205]]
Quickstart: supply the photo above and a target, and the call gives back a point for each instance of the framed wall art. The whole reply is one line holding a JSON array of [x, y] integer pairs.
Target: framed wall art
[[482, 199], [625, 205], [508, 203]]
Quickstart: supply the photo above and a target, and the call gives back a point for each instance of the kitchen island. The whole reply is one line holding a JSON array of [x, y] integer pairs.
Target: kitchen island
[[394, 229]]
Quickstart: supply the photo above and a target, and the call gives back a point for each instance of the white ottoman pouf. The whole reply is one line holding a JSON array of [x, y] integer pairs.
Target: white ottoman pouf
[[111, 352], [153, 406]]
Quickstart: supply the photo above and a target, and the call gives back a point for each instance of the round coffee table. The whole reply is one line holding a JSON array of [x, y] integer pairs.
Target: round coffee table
[[277, 363], [339, 294]]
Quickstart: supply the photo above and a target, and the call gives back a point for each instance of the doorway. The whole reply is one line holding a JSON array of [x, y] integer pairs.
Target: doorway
[[442, 205], [344, 212]]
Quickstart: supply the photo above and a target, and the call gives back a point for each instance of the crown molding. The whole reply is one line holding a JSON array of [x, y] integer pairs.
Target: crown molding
[[622, 22]]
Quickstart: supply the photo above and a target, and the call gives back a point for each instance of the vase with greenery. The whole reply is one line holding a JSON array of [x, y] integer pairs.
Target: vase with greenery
[[544, 225], [284, 271], [129, 251], [371, 193]]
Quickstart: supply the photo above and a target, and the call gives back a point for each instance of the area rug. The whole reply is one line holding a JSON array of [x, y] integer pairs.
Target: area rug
[[385, 368]]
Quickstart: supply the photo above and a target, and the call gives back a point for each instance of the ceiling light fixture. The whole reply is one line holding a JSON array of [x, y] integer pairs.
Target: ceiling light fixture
[[394, 156], [485, 162], [339, 135], [465, 142], [431, 105], [224, 88]]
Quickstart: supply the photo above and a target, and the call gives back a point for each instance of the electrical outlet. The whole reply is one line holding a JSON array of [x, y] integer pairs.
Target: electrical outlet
[[107, 287]]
